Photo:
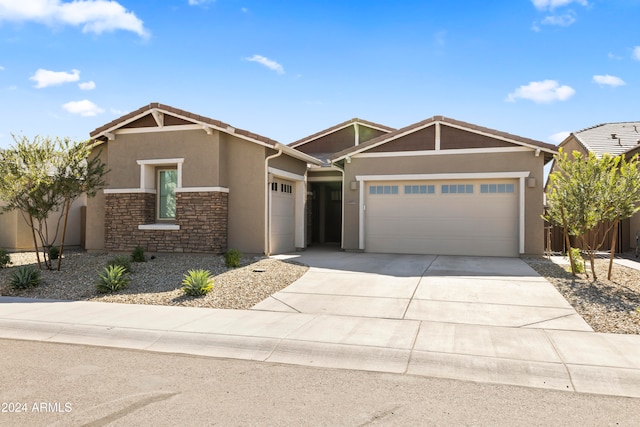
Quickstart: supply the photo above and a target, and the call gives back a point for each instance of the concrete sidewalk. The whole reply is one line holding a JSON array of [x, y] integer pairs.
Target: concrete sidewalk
[[422, 340]]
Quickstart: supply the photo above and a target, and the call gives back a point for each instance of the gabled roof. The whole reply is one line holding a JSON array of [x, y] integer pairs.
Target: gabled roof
[[611, 138], [338, 127], [518, 140], [157, 110]]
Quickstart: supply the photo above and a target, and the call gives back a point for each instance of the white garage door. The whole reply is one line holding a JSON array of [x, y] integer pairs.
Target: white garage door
[[477, 217], [282, 216]]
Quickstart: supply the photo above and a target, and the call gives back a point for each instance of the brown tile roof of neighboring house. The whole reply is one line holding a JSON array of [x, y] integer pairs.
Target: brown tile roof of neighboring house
[[338, 127], [121, 121], [611, 138], [419, 125]]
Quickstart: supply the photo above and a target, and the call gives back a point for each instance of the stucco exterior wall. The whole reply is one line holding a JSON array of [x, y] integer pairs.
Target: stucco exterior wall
[[94, 224], [458, 163], [246, 181], [198, 149], [16, 234]]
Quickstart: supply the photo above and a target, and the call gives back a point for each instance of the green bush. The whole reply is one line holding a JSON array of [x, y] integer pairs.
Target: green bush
[[25, 277], [122, 261], [114, 278], [54, 252], [578, 261], [138, 254], [232, 258], [197, 282], [5, 259]]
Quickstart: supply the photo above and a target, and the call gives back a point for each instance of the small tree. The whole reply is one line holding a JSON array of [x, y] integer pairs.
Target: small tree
[[586, 192], [43, 176]]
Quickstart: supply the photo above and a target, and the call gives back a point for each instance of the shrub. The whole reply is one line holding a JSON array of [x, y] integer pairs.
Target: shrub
[[54, 252], [197, 282], [114, 278], [5, 259], [122, 261], [578, 261], [138, 254], [25, 277], [232, 258]]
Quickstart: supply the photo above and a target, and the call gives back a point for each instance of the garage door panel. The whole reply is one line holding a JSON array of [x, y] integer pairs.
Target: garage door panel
[[449, 224], [282, 217]]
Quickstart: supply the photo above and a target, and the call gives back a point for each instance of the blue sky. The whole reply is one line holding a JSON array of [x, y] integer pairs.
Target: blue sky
[[287, 69]]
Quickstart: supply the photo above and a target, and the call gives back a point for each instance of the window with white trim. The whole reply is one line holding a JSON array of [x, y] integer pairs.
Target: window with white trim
[[167, 182]]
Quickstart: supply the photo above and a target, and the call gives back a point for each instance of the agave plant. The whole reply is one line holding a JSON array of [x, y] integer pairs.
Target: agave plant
[[25, 277], [114, 278], [197, 282]]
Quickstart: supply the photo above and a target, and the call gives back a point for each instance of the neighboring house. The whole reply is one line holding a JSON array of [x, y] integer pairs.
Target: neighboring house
[[440, 186], [607, 138], [181, 182]]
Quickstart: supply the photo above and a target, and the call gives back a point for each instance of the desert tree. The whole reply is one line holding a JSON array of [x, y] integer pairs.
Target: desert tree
[[41, 178], [588, 194]]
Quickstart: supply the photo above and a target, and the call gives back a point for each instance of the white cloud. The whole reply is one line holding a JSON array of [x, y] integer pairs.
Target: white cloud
[[84, 108], [636, 53], [95, 16], [244, 10], [613, 56], [1, 68], [199, 2], [90, 85], [559, 20], [272, 65], [118, 112], [45, 78], [552, 4], [542, 92], [559, 137], [608, 80]]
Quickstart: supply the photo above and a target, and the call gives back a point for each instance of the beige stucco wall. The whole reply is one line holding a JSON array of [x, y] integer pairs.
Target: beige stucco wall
[[16, 234], [287, 163], [94, 229], [461, 163], [246, 181], [198, 149]]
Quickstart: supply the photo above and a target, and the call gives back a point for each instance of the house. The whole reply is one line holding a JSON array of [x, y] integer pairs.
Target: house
[[181, 182], [439, 186], [622, 138]]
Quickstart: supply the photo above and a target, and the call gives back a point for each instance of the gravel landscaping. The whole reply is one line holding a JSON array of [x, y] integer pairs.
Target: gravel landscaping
[[607, 306], [158, 281], [611, 306]]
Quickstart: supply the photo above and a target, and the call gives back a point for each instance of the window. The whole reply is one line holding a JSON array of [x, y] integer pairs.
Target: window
[[457, 188], [383, 189], [497, 188], [419, 189], [166, 196]]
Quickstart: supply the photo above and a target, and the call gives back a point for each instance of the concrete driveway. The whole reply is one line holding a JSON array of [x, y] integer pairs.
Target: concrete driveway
[[448, 289]]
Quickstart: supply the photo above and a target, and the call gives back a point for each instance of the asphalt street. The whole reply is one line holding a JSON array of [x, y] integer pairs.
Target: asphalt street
[[62, 384]]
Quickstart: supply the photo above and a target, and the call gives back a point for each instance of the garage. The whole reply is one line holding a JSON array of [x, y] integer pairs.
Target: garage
[[447, 217], [282, 216]]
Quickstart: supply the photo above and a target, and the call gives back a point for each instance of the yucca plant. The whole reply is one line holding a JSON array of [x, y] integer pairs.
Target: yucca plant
[[122, 261], [114, 278], [197, 282], [25, 277]]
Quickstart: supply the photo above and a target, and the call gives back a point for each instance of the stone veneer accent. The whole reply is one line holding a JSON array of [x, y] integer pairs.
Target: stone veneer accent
[[202, 217]]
